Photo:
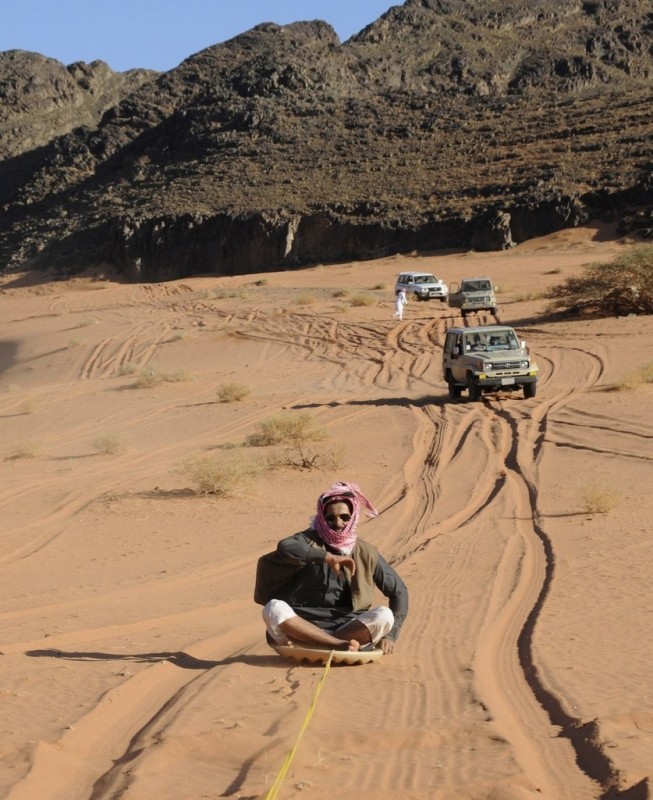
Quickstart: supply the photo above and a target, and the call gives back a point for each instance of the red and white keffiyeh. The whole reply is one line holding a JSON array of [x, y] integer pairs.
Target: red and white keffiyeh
[[348, 493]]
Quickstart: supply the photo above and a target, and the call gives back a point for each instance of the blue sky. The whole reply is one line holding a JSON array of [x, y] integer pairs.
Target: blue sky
[[159, 34]]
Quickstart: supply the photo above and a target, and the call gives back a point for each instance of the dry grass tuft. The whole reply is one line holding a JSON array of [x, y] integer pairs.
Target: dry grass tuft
[[219, 476], [362, 300], [109, 444], [305, 299], [598, 499], [289, 428], [232, 392], [635, 380], [304, 456], [129, 368], [30, 406], [296, 437], [152, 376], [28, 448]]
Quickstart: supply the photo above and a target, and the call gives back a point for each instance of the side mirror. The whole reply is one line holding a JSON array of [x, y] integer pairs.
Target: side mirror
[[523, 344]]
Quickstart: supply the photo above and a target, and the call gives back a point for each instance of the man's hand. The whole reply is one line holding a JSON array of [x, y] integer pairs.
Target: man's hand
[[387, 645], [338, 562]]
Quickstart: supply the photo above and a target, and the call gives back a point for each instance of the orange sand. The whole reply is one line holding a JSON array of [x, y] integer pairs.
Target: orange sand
[[133, 659]]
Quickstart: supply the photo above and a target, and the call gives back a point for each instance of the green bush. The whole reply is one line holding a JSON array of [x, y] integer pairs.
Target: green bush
[[623, 286]]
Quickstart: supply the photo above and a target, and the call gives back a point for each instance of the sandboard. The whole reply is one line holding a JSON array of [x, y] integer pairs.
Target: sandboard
[[318, 656]]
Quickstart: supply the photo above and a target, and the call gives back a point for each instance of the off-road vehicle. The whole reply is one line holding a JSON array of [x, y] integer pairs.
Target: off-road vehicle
[[488, 358], [424, 285], [473, 294]]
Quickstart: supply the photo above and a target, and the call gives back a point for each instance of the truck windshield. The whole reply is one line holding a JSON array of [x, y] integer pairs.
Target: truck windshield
[[476, 286], [495, 340]]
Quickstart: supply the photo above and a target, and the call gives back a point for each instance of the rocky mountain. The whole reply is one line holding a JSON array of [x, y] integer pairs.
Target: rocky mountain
[[446, 123], [43, 99]]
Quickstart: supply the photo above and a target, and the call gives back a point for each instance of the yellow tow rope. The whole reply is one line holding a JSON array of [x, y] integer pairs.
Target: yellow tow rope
[[274, 789]]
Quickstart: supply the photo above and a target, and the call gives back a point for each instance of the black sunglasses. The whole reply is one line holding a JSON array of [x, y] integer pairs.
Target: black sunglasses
[[333, 517]]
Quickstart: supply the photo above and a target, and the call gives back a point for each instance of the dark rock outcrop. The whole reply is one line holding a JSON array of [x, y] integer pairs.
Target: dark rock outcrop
[[443, 124]]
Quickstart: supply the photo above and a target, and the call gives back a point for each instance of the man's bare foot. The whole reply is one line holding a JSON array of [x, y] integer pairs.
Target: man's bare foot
[[351, 645]]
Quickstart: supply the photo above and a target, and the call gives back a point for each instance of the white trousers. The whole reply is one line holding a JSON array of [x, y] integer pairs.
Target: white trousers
[[378, 620]]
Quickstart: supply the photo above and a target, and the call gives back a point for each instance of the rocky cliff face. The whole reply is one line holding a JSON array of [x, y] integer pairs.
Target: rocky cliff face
[[443, 124]]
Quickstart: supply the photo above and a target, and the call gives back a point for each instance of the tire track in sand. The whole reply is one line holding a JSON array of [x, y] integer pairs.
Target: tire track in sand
[[576, 371], [510, 436]]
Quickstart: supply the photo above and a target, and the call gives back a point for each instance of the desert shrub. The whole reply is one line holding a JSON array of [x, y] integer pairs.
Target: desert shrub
[[232, 392], [341, 293], [638, 378], [303, 455], [219, 475], [304, 299], [219, 294], [296, 438], [28, 448], [598, 499], [152, 376], [379, 286], [287, 428], [30, 406], [76, 342], [109, 444], [129, 368], [623, 286], [362, 300]]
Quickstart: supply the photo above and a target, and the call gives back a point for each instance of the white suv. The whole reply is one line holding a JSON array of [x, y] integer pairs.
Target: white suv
[[423, 285], [488, 358]]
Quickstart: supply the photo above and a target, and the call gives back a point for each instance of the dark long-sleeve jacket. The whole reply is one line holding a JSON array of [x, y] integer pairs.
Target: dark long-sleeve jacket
[[328, 600]]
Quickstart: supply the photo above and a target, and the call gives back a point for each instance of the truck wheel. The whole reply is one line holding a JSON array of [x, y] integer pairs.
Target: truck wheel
[[474, 389], [454, 390], [493, 311], [529, 390]]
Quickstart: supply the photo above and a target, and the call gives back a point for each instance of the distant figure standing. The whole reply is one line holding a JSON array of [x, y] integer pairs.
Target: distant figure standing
[[400, 302]]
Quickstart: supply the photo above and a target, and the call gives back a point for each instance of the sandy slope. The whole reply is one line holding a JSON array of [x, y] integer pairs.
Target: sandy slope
[[134, 664]]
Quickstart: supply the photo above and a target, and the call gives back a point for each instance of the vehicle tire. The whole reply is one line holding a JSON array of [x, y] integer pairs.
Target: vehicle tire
[[463, 314], [443, 299], [474, 389], [493, 311], [454, 389], [530, 390]]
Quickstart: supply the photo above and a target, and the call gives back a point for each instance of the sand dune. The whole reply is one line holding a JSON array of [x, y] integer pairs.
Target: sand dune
[[133, 658]]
